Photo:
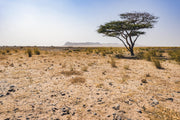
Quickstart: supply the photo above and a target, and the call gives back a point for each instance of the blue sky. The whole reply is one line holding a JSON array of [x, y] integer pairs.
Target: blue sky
[[54, 22]]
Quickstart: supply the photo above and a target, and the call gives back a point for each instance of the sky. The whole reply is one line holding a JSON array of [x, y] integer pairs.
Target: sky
[[54, 22]]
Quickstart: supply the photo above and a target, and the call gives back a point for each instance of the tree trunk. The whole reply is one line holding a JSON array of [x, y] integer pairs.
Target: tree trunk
[[132, 51]]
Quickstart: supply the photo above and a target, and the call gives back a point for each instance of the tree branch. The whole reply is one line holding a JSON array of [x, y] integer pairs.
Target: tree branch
[[123, 43], [135, 40]]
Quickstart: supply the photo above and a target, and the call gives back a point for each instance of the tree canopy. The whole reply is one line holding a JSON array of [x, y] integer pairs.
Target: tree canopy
[[129, 28]]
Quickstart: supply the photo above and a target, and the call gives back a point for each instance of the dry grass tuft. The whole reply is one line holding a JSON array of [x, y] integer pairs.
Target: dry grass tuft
[[85, 68], [71, 72], [77, 80], [29, 52], [157, 64], [36, 51], [100, 85], [126, 67], [113, 63]]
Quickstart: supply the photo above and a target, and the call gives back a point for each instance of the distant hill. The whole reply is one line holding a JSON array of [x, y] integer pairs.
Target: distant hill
[[91, 44]]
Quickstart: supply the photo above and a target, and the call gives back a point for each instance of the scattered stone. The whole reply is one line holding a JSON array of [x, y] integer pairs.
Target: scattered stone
[[1, 102], [144, 81], [110, 84], [7, 93], [53, 96], [129, 102], [65, 110], [11, 90], [99, 100], [1, 95], [12, 65], [104, 73], [89, 110], [116, 107], [63, 94], [122, 111], [84, 106], [7, 119], [155, 102], [97, 93], [109, 116], [95, 113], [54, 109], [16, 109], [116, 117], [12, 86], [73, 113], [178, 91], [139, 111], [171, 99]]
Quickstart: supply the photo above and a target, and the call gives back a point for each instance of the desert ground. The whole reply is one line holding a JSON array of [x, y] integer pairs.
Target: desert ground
[[87, 84]]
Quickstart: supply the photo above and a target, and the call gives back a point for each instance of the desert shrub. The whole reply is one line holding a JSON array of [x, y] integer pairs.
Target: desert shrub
[[3, 52], [77, 80], [29, 52], [7, 50], [153, 53], [175, 55], [103, 54], [36, 51], [148, 56], [159, 54], [113, 63], [157, 63], [140, 55], [71, 72], [162, 51], [15, 50]]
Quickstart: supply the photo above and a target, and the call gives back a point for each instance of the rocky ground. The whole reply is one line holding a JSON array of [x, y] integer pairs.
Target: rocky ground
[[77, 86]]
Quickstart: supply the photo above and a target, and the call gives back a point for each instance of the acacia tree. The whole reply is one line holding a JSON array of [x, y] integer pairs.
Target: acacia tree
[[129, 28]]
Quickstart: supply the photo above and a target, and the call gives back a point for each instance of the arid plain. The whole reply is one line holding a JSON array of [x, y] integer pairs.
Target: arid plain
[[88, 84]]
